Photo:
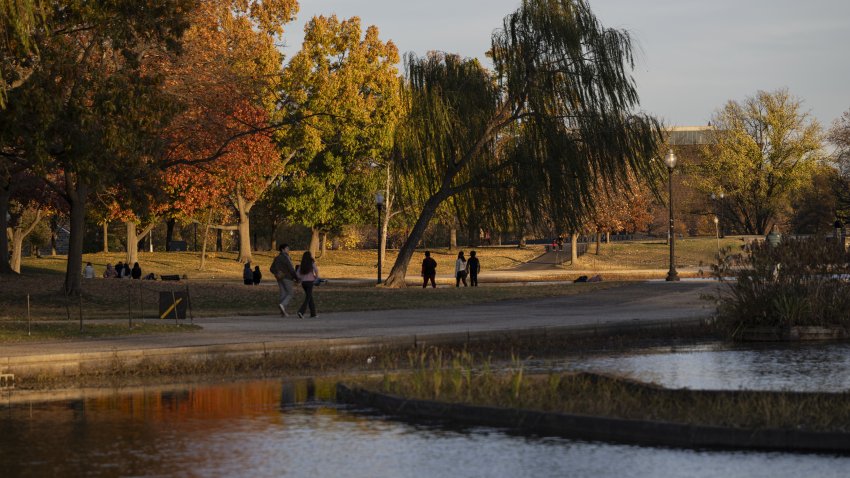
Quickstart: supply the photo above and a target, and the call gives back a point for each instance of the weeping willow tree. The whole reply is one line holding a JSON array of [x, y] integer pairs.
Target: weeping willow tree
[[554, 115]]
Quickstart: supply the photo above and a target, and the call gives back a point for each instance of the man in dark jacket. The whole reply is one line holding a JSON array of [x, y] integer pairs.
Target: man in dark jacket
[[429, 270], [474, 267], [284, 273]]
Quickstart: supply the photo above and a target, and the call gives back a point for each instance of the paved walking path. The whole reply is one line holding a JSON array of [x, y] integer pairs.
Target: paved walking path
[[634, 303]]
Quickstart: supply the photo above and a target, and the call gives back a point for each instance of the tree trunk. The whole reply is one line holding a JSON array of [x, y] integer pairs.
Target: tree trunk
[[388, 213], [314, 241], [399, 270], [243, 207], [573, 248], [169, 233], [106, 237], [453, 238], [219, 241], [273, 236], [132, 243], [204, 246], [598, 241], [5, 263], [77, 196], [20, 233], [324, 243], [608, 237], [54, 224]]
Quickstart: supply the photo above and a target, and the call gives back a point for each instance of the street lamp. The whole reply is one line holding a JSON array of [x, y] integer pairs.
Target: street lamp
[[379, 202], [717, 232], [670, 161]]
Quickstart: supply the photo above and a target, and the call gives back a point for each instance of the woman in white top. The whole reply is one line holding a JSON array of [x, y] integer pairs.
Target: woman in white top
[[307, 273], [460, 270], [88, 272]]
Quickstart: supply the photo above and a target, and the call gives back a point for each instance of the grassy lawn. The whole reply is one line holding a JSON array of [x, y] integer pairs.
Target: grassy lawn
[[690, 252], [21, 331], [120, 299], [333, 264]]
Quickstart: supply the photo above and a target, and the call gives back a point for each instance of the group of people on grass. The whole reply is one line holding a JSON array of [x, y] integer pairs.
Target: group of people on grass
[[463, 268], [119, 271], [251, 277], [288, 275]]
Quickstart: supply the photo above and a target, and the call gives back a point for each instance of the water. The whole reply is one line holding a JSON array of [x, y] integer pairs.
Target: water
[[293, 428], [807, 367]]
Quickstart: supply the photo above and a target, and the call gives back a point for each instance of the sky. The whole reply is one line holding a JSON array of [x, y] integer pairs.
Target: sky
[[691, 56]]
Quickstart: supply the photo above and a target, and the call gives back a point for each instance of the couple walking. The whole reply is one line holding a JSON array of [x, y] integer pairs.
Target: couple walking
[[288, 275], [462, 268]]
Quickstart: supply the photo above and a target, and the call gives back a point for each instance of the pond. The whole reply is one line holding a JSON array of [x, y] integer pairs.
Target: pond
[[294, 428], [811, 367]]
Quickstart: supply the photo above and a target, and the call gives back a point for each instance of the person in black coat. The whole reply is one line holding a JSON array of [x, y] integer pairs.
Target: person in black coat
[[257, 276], [429, 270], [136, 273]]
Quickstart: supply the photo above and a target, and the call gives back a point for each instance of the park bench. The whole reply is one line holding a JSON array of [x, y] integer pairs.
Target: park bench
[[170, 277]]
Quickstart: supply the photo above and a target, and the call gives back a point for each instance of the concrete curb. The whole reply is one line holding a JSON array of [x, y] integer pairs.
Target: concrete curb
[[72, 364], [584, 427]]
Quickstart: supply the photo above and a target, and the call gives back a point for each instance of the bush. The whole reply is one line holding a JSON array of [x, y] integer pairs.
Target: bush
[[803, 282]]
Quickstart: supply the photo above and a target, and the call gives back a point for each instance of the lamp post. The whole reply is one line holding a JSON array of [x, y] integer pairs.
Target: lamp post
[[379, 202], [717, 232], [670, 161]]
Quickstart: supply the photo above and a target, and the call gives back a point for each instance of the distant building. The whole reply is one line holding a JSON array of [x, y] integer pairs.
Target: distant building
[[690, 135]]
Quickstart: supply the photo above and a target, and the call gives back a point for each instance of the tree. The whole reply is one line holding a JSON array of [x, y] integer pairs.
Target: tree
[[839, 136], [223, 151], [87, 112], [763, 149], [19, 21], [351, 78], [555, 114]]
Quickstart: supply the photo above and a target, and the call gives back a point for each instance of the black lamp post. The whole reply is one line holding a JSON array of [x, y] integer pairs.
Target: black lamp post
[[670, 161], [379, 202]]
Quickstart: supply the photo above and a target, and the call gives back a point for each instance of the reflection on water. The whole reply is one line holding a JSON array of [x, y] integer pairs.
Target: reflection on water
[[803, 367], [292, 428]]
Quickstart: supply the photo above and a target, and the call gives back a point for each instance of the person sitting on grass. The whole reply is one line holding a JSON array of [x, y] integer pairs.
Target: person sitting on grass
[[247, 275], [257, 276], [110, 272], [88, 272], [136, 273]]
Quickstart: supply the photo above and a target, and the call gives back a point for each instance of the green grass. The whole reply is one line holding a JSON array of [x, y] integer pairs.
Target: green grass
[[21, 331], [357, 264], [634, 255], [120, 299], [462, 377]]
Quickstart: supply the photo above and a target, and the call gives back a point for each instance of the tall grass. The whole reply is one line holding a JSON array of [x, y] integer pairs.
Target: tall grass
[[800, 282], [463, 377]]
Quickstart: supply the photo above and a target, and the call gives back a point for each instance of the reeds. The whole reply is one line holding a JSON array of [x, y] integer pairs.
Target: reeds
[[461, 377], [799, 282]]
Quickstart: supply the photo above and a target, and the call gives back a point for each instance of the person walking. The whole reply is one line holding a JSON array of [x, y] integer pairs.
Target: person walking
[[284, 273], [308, 274], [429, 270], [136, 273], [460, 269], [247, 274], [257, 276], [474, 267]]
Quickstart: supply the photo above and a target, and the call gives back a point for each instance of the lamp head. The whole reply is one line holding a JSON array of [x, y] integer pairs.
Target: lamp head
[[379, 199], [670, 159]]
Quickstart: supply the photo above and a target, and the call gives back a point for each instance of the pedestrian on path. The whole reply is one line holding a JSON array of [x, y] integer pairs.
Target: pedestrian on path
[[460, 269], [474, 267], [284, 273], [429, 270], [308, 274]]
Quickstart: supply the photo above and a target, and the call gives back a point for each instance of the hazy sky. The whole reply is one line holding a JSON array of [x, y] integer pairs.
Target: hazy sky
[[693, 55]]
